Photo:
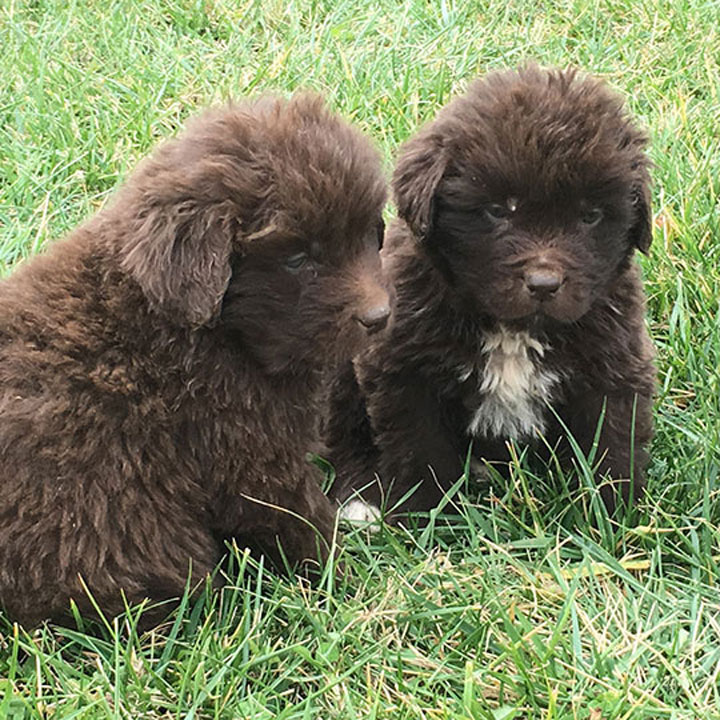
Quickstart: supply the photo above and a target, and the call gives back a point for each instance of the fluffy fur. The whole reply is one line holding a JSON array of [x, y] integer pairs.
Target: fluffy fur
[[521, 207], [161, 369]]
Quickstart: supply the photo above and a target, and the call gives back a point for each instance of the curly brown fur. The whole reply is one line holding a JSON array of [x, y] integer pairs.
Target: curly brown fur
[[521, 207], [161, 368]]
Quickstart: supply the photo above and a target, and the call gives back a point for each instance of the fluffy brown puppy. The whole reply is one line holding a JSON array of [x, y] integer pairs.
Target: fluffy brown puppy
[[161, 368], [521, 207]]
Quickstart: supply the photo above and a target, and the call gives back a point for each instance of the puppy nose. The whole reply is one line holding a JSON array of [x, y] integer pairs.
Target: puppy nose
[[543, 283], [374, 318]]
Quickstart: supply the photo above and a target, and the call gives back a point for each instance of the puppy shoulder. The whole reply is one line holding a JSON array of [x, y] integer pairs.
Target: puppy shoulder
[[610, 348]]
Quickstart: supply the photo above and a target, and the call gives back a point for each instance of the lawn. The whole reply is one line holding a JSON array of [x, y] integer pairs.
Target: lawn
[[526, 602]]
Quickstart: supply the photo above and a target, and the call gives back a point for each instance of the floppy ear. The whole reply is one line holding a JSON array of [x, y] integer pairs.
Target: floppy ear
[[421, 165], [179, 254], [641, 231]]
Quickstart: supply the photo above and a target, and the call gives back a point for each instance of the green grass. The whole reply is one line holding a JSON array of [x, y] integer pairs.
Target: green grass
[[525, 605]]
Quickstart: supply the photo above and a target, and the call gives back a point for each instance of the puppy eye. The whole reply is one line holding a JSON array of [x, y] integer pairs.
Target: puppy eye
[[296, 262], [592, 217], [380, 234], [497, 212]]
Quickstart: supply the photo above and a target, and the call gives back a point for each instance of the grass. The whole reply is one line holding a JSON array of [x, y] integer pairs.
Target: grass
[[523, 605]]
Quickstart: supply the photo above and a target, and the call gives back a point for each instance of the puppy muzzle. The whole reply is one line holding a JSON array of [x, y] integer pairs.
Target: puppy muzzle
[[374, 318]]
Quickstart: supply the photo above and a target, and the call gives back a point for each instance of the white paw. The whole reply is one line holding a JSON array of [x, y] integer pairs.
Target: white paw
[[358, 511], [479, 472]]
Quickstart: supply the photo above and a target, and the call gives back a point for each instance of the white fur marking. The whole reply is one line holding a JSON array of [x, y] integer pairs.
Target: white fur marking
[[514, 387], [358, 511]]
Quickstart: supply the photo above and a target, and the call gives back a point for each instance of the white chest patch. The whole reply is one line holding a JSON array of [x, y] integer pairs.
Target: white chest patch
[[514, 387]]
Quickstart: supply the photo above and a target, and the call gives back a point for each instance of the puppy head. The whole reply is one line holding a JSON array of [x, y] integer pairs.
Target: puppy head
[[262, 219], [530, 192], [299, 302]]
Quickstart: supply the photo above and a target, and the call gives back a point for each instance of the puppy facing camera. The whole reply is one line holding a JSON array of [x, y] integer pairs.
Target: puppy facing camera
[[520, 314]]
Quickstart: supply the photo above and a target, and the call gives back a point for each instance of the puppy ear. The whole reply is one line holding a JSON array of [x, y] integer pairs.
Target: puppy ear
[[641, 231], [420, 168], [179, 254]]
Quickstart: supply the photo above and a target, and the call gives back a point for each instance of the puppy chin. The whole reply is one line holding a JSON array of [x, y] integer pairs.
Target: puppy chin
[[566, 308], [353, 339], [528, 314], [563, 315]]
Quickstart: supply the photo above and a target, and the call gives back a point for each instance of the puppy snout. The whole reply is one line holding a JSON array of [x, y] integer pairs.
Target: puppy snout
[[543, 283], [373, 308], [375, 317]]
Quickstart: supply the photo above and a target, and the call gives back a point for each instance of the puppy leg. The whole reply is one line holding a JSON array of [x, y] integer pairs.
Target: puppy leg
[[295, 529], [185, 556], [625, 432], [348, 436], [181, 559], [418, 452], [308, 534]]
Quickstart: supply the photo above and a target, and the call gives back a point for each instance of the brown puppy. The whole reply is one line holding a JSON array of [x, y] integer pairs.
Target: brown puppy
[[161, 368], [521, 207]]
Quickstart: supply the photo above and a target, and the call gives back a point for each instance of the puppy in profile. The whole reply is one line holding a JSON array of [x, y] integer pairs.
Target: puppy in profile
[[520, 310], [161, 369]]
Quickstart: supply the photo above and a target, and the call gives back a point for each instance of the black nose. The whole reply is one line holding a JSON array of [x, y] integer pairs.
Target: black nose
[[374, 318], [543, 283]]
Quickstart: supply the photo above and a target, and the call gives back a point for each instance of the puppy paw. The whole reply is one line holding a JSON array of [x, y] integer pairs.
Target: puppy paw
[[479, 472], [358, 512]]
